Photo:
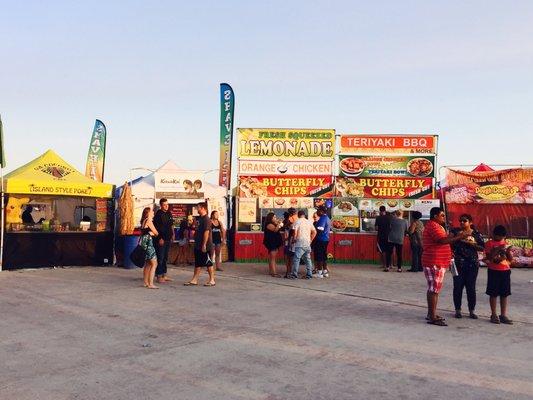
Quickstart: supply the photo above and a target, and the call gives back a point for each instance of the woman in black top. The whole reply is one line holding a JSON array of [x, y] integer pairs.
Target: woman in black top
[[272, 241], [465, 253], [218, 234]]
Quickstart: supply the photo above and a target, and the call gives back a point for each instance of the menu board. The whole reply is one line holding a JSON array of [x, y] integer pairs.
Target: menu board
[[248, 210], [178, 211], [345, 215], [103, 208]]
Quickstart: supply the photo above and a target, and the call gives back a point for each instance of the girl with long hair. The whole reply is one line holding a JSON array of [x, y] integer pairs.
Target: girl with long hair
[[148, 231], [218, 233]]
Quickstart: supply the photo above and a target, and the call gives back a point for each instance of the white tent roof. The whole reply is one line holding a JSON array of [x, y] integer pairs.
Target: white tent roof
[[144, 187]]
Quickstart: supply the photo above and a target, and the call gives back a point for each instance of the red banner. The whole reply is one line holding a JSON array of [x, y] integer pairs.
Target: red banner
[[385, 188], [379, 144], [513, 186], [285, 186]]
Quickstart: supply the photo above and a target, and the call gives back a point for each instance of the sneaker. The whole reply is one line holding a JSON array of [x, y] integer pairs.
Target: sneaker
[[494, 319], [309, 277], [325, 273], [458, 314], [473, 315], [319, 274], [315, 272]]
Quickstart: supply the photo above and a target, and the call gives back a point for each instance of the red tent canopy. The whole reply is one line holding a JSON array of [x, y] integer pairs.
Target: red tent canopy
[[482, 168]]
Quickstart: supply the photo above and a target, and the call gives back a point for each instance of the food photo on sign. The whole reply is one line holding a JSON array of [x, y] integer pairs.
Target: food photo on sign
[[345, 215], [386, 166]]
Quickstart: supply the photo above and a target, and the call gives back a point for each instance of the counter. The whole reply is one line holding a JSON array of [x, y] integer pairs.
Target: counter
[[34, 249]]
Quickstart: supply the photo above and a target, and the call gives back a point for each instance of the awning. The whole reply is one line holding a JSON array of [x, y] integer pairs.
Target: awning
[[49, 174]]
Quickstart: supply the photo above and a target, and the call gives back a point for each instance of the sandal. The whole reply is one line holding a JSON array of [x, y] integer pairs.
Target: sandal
[[209, 284], [275, 275], [190, 284], [494, 319], [436, 317], [505, 320], [438, 322]]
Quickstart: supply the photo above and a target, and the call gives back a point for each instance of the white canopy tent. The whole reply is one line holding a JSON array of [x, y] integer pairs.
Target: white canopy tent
[[144, 191]]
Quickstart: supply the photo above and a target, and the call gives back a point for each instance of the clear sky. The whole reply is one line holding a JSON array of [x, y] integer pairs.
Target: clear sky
[[151, 71]]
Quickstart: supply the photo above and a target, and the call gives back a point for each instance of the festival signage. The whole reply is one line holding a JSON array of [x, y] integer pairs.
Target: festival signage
[[96, 155], [386, 166], [273, 167], [285, 186], [248, 210], [384, 188], [286, 144], [175, 186], [397, 144], [227, 108], [494, 187], [345, 215]]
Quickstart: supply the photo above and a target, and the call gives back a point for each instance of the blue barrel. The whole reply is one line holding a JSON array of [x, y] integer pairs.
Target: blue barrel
[[130, 242]]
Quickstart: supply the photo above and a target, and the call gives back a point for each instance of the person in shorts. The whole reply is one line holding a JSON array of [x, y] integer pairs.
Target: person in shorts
[[498, 259], [323, 228], [436, 259], [383, 230], [203, 246]]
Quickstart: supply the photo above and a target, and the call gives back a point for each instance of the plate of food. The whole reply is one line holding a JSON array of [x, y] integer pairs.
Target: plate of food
[[392, 203], [352, 166], [306, 202], [419, 166], [338, 224], [266, 202], [280, 202], [407, 204], [294, 202]]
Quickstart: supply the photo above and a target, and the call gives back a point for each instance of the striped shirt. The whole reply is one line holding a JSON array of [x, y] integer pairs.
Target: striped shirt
[[434, 252]]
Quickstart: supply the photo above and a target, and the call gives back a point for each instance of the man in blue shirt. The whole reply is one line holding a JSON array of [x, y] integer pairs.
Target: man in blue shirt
[[323, 227]]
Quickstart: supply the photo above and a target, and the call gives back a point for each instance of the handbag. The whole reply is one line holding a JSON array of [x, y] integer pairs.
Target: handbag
[[138, 255], [453, 268]]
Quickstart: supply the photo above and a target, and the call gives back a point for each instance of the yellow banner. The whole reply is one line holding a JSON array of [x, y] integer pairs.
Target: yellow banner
[[286, 144]]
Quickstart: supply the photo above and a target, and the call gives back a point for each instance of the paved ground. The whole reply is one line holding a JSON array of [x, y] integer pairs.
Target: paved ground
[[95, 333]]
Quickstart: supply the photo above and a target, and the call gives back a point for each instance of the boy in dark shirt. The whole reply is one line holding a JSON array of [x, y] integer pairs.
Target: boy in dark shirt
[[383, 230]]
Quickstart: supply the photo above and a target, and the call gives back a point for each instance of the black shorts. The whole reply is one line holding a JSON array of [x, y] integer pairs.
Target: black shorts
[[498, 283], [383, 245], [320, 251], [202, 259]]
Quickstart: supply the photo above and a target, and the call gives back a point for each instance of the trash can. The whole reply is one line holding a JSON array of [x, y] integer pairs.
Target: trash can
[[130, 242]]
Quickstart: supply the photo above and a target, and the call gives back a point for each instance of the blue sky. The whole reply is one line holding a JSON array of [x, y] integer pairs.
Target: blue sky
[[151, 72]]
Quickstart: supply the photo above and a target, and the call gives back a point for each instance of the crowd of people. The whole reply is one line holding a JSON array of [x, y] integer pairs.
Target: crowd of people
[[299, 237], [305, 241]]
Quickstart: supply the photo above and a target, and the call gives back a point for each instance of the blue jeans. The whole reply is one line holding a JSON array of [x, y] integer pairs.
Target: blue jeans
[[305, 254], [162, 257]]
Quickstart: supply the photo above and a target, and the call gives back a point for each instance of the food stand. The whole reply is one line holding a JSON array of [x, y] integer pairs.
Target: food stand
[[395, 171], [184, 190], [55, 216], [279, 169], [502, 197]]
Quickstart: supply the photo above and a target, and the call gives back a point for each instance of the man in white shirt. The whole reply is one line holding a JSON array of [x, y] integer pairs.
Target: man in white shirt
[[304, 233]]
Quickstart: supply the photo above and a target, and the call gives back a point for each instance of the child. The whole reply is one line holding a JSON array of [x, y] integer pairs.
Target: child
[[499, 274]]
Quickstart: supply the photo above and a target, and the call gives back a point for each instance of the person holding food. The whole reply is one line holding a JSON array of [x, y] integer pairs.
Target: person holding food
[[436, 259], [398, 230], [465, 254], [383, 229], [304, 233], [323, 228], [415, 238], [499, 260], [272, 241]]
